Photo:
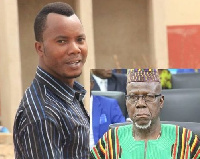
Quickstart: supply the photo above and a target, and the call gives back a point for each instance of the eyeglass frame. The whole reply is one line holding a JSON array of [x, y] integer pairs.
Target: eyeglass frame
[[138, 96]]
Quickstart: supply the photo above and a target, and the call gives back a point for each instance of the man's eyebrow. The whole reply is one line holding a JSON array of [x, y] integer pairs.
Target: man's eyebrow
[[81, 35], [61, 37], [66, 37]]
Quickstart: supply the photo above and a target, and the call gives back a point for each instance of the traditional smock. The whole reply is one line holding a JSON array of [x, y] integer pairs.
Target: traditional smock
[[174, 143]]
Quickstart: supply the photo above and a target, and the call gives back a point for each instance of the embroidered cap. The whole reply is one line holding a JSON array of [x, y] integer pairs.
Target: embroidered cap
[[142, 75]]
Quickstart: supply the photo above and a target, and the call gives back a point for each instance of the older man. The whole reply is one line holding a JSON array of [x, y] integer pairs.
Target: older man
[[51, 121], [146, 138]]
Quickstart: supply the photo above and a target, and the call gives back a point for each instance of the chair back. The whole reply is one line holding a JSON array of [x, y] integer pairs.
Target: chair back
[[185, 80], [181, 105]]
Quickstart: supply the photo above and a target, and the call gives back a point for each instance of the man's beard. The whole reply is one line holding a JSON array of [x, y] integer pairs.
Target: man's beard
[[143, 126], [75, 76]]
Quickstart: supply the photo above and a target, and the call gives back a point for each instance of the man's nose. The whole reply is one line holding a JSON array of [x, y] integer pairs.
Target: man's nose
[[141, 103], [74, 48]]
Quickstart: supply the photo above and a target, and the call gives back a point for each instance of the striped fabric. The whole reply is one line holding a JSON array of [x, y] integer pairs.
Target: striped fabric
[[51, 122], [175, 143]]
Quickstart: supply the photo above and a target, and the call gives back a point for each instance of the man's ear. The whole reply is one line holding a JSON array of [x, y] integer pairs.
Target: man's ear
[[161, 102], [39, 47]]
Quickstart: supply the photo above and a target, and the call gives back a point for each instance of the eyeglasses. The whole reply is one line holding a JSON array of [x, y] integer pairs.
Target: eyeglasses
[[147, 98]]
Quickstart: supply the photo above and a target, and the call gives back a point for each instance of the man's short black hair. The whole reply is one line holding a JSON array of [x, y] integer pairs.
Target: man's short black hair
[[40, 20]]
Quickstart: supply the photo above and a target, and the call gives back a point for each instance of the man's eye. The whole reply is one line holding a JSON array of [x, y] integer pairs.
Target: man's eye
[[61, 41], [133, 97], [80, 39], [149, 97]]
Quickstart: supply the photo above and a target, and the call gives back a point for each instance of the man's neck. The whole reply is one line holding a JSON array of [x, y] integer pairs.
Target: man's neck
[[151, 133], [67, 81]]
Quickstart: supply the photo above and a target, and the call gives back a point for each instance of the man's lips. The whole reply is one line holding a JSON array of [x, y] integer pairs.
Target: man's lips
[[141, 115], [74, 62]]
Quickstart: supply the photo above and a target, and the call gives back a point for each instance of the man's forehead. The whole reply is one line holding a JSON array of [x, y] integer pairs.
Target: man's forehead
[[61, 26], [57, 17], [143, 86]]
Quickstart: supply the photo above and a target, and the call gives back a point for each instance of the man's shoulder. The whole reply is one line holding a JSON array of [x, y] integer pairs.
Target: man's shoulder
[[122, 129], [33, 95], [177, 130], [119, 80], [174, 127], [106, 102], [119, 76], [32, 106], [105, 99]]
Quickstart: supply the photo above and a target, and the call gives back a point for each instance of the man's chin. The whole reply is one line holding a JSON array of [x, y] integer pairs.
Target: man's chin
[[73, 76], [76, 76], [143, 125]]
